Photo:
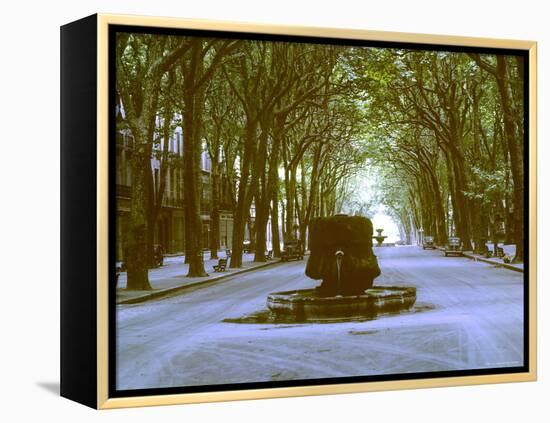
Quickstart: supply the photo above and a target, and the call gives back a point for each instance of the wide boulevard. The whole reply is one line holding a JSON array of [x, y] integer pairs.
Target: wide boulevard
[[468, 315]]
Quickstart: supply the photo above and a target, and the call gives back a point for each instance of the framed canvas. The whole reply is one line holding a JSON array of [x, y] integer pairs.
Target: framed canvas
[[254, 211]]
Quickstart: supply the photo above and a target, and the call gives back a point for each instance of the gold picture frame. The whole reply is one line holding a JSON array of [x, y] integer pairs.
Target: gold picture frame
[[100, 219]]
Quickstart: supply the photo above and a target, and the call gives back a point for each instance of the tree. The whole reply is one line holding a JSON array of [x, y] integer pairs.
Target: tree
[[197, 68], [290, 129], [260, 79], [142, 60], [509, 78], [167, 162], [221, 133]]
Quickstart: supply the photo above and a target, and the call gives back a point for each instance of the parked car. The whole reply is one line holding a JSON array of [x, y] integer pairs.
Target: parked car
[[453, 247], [292, 250], [428, 243]]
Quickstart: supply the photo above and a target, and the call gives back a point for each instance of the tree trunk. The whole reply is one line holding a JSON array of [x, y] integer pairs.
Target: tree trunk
[[139, 92], [215, 211], [406, 225], [244, 198], [457, 187], [262, 216], [514, 142], [186, 235], [290, 185], [283, 218], [477, 226], [192, 149], [157, 188], [439, 212], [137, 257], [251, 229], [513, 136], [276, 240], [152, 215], [238, 238], [262, 196]]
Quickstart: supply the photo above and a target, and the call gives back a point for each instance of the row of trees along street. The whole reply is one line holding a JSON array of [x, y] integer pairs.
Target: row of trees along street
[[293, 127]]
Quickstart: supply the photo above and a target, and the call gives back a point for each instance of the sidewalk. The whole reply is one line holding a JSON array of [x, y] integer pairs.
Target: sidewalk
[[518, 267], [171, 277]]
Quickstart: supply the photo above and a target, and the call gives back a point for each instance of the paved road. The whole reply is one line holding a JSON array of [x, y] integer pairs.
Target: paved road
[[469, 315]]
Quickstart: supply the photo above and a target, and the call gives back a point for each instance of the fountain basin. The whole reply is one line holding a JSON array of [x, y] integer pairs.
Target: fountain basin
[[310, 305]]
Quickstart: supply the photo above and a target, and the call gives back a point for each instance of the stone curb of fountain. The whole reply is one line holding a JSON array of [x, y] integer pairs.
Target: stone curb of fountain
[[173, 290], [474, 257], [308, 305]]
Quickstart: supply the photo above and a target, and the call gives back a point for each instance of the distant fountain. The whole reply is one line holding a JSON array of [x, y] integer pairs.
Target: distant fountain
[[343, 259], [380, 238]]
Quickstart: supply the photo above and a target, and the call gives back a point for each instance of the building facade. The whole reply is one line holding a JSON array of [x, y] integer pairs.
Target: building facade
[[169, 229]]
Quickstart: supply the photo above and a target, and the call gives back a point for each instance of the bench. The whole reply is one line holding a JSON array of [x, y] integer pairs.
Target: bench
[[490, 251], [220, 267], [269, 255]]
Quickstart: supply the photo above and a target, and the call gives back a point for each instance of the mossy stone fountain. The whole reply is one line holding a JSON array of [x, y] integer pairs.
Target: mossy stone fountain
[[341, 256]]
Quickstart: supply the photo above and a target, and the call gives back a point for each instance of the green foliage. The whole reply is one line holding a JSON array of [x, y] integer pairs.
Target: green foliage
[[331, 128]]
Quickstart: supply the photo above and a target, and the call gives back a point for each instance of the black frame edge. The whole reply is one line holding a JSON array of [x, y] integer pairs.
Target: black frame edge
[[78, 326]]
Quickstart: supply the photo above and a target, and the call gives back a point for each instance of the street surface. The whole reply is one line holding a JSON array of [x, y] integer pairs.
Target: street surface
[[468, 315]]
